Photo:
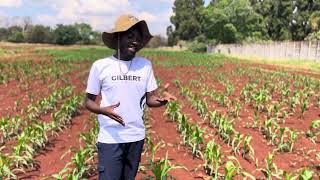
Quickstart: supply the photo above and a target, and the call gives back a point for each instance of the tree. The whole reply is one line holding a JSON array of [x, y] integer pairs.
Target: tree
[[15, 34], [39, 34], [186, 20], [66, 34], [85, 33], [4, 34], [229, 21], [172, 37], [301, 18]]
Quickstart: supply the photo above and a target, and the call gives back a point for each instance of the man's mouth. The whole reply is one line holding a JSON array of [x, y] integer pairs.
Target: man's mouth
[[132, 48]]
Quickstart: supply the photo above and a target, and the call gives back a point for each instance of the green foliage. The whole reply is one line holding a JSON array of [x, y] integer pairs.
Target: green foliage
[[196, 46], [4, 33], [39, 34], [186, 20], [66, 34], [17, 37]]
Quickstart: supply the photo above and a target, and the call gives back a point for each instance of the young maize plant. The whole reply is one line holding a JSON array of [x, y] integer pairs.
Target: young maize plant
[[6, 169], [294, 101], [229, 88], [235, 144], [187, 134], [230, 170], [177, 82], [185, 91], [173, 110], [22, 153], [304, 104], [234, 108], [225, 130], [306, 174], [10, 128], [269, 130], [247, 148], [286, 146], [68, 110], [212, 159], [205, 90], [271, 170], [284, 92], [194, 83], [182, 123], [246, 91], [214, 118], [81, 165], [314, 130], [260, 98], [289, 176], [221, 99], [162, 167], [201, 106], [197, 140]]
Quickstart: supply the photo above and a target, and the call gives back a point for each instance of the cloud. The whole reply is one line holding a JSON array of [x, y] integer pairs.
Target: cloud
[[98, 13], [10, 3], [101, 14]]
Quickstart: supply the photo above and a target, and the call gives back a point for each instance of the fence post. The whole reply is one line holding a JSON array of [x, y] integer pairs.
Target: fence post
[[317, 49], [309, 46], [300, 49]]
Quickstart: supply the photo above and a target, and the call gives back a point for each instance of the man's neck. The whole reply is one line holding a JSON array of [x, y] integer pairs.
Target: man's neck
[[123, 58]]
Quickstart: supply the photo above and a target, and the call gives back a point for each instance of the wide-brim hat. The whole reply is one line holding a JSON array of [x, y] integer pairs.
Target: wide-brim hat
[[123, 23]]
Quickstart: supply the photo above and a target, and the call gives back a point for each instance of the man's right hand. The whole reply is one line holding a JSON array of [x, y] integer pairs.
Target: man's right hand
[[109, 111]]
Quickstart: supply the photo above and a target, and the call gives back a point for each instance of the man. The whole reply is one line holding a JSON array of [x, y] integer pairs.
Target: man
[[126, 82]]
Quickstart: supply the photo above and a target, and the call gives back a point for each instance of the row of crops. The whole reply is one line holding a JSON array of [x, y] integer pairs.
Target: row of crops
[[26, 133], [235, 101], [224, 112]]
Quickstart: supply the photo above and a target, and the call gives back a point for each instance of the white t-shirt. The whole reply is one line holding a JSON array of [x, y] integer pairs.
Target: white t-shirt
[[127, 86]]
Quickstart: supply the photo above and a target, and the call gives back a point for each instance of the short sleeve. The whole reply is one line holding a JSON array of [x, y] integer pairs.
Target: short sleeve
[[151, 81], [94, 83]]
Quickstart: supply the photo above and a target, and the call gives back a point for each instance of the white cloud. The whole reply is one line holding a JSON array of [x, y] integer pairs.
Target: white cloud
[[148, 17], [98, 13], [10, 3], [101, 14]]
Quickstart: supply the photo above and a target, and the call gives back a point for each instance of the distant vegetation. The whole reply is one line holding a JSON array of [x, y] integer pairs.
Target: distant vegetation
[[230, 21]]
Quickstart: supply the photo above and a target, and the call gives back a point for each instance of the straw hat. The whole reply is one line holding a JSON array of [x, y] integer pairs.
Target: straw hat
[[123, 23]]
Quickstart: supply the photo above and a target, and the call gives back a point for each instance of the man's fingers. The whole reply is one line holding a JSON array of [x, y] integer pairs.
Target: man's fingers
[[166, 86], [116, 105], [116, 115], [117, 118], [169, 96]]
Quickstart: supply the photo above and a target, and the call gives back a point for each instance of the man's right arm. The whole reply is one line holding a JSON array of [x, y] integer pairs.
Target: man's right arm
[[91, 104]]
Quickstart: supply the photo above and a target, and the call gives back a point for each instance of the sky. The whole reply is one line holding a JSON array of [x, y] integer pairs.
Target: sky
[[100, 14]]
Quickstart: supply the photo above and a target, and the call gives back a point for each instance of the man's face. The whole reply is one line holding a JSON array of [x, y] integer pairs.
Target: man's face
[[130, 42]]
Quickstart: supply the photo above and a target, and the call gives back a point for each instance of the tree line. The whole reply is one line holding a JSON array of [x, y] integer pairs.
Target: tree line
[[237, 21], [80, 33]]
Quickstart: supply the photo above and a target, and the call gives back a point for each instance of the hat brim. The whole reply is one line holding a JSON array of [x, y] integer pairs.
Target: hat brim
[[111, 41]]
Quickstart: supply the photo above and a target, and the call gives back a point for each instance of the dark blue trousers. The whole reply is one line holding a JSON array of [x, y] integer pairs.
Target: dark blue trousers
[[119, 161]]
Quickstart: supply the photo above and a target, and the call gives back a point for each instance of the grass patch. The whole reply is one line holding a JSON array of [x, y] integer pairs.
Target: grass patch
[[77, 54], [296, 64], [2, 52]]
